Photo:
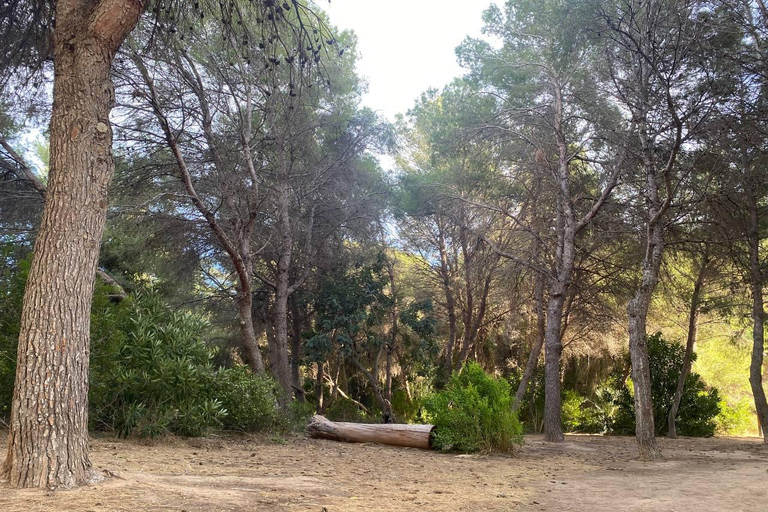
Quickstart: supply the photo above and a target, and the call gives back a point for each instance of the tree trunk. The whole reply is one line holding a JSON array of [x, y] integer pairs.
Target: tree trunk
[[553, 428], [281, 369], [638, 350], [533, 357], [469, 305], [758, 314], [48, 442], [693, 326], [392, 335], [320, 388], [296, 322], [413, 436], [450, 303], [248, 340]]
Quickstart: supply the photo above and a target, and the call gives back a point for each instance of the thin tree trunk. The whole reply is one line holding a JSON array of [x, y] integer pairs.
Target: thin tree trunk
[[450, 302], [48, 442], [320, 388], [469, 304], [693, 326], [758, 313], [393, 334], [387, 416], [296, 323], [533, 357]]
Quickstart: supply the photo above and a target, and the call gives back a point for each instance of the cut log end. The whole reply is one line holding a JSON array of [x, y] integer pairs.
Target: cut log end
[[414, 436]]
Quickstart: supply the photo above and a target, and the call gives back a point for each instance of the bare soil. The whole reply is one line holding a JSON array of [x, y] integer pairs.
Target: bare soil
[[586, 473]]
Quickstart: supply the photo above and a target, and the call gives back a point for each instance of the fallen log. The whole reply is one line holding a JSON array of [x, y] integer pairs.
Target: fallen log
[[415, 436]]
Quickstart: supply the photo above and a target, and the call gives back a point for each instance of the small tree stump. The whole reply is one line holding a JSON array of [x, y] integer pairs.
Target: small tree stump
[[414, 436]]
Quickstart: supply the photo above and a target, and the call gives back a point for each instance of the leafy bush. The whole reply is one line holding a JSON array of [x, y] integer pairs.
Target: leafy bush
[[737, 419], [250, 400], [474, 413], [698, 407], [157, 378], [583, 415]]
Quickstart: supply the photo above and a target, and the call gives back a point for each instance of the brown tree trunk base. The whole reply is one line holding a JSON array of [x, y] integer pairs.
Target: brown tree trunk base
[[413, 436]]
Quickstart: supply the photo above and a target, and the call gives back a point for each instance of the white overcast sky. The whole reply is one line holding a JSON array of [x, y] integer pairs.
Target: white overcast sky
[[406, 46]]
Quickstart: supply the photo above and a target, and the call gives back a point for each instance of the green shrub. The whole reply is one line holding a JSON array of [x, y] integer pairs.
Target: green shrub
[[473, 413], [581, 414], [737, 419], [154, 375], [250, 400], [698, 407]]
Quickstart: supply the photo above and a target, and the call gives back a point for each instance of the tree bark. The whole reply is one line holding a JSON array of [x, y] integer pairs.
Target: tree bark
[[533, 357], [450, 302], [693, 326], [280, 366], [413, 436], [758, 312], [637, 310], [296, 323], [48, 442]]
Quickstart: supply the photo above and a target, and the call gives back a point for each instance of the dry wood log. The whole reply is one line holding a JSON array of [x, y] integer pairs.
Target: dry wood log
[[416, 436]]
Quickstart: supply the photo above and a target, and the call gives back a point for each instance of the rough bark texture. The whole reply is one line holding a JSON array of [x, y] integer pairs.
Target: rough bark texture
[[414, 436], [48, 442], [693, 327], [638, 349], [280, 364]]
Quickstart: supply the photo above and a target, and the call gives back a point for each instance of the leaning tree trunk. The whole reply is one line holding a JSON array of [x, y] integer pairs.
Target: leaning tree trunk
[[693, 327], [48, 443], [638, 350]]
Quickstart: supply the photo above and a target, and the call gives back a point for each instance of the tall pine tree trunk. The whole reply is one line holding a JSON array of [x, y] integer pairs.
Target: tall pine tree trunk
[[48, 444], [638, 350], [280, 364]]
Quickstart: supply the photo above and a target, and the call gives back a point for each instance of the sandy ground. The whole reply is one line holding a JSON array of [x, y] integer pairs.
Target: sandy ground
[[589, 474]]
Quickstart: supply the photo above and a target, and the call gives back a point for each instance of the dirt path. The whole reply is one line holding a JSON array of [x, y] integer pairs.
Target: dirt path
[[589, 474]]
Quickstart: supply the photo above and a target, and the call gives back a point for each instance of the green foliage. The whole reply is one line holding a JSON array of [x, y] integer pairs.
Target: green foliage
[[736, 419], [250, 400], [583, 415], [352, 300], [724, 363], [698, 407], [13, 277], [158, 378], [474, 413]]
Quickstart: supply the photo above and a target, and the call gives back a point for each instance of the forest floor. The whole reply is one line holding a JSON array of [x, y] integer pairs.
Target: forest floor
[[586, 473]]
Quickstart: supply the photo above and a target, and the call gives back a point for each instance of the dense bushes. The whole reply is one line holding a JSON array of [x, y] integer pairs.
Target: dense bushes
[[699, 405], [250, 400], [152, 374], [474, 413]]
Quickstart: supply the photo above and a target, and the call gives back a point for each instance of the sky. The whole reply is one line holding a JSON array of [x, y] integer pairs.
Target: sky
[[406, 46]]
